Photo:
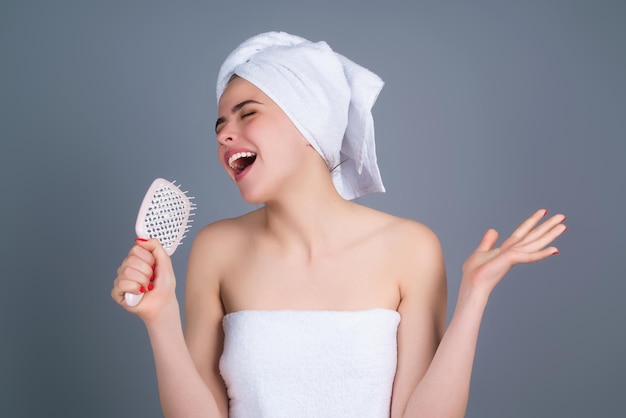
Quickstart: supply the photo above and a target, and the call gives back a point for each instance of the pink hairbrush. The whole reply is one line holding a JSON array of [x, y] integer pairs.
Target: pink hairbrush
[[164, 215]]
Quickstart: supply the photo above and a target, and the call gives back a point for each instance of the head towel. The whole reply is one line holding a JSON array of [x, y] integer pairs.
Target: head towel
[[328, 98]]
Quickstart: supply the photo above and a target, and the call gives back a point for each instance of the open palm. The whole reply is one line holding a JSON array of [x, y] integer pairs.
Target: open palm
[[530, 242]]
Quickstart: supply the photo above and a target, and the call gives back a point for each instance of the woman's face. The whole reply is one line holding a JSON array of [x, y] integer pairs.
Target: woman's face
[[258, 145]]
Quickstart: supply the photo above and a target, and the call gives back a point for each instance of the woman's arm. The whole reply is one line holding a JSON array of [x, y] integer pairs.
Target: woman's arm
[[182, 390], [443, 389], [204, 310]]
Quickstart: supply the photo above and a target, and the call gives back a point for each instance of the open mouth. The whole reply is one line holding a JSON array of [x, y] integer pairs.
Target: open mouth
[[240, 161]]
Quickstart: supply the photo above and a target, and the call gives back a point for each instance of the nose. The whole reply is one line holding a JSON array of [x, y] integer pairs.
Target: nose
[[223, 139], [226, 135]]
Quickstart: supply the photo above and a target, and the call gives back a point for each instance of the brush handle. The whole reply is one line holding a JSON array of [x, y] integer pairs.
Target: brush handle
[[132, 299]]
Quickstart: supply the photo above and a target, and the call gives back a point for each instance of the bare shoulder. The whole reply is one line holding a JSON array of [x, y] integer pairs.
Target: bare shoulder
[[423, 257], [414, 233], [214, 250], [421, 242], [216, 240], [413, 255], [229, 230], [410, 238]]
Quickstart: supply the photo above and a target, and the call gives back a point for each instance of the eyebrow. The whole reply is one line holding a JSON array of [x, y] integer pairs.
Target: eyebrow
[[234, 109]]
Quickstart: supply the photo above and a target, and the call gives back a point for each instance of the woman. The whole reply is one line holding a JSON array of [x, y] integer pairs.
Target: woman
[[313, 305]]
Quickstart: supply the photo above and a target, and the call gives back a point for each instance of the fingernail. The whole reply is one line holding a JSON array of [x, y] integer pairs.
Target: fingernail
[[564, 219], [152, 277], [141, 239], [150, 287], [142, 289], [545, 212], [153, 266], [555, 253]]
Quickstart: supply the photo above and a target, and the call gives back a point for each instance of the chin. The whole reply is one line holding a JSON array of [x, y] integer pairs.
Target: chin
[[253, 197]]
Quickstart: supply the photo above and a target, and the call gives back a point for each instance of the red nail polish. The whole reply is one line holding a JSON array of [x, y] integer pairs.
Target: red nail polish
[[153, 266], [545, 212], [142, 289], [150, 287], [141, 239], [555, 253], [564, 219], [152, 277]]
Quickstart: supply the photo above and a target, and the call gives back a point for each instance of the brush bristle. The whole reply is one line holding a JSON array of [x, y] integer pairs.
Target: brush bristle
[[166, 213]]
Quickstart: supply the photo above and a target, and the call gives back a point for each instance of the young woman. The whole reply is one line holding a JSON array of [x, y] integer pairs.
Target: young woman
[[312, 305]]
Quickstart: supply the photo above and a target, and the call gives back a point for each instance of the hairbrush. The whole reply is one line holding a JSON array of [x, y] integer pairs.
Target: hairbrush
[[164, 214]]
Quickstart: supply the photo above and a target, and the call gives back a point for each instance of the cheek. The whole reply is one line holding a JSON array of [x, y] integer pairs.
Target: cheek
[[294, 135], [220, 159], [281, 141], [218, 154], [294, 161], [291, 140]]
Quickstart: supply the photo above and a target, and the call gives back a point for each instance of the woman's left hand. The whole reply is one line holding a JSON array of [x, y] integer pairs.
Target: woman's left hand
[[530, 242]]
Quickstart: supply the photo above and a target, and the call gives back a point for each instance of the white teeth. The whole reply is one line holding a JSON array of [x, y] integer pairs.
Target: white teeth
[[237, 156]]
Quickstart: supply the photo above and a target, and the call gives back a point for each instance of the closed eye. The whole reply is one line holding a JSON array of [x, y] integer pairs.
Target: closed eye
[[236, 108]]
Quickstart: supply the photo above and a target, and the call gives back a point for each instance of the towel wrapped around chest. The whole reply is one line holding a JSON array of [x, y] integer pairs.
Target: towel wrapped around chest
[[310, 363]]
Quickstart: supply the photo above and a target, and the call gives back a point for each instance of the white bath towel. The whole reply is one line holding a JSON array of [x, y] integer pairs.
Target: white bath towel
[[327, 96], [309, 364]]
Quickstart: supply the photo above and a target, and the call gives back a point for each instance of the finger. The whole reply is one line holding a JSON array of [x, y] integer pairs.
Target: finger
[[142, 253], [126, 286], [161, 258], [162, 266], [131, 274], [523, 257], [525, 227], [544, 240], [545, 227], [142, 265], [489, 240]]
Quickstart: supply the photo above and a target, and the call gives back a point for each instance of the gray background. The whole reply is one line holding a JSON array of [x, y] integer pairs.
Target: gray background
[[491, 109]]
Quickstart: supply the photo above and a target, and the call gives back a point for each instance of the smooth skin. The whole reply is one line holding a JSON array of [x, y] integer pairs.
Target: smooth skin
[[309, 249]]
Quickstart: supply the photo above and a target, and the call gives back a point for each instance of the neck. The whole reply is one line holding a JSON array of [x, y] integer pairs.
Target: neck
[[307, 217]]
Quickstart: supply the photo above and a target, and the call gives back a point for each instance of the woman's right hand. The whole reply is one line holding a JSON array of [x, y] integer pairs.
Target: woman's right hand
[[147, 269]]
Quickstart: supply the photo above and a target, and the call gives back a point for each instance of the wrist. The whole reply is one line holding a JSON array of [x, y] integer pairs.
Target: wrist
[[472, 296], [166, 316]]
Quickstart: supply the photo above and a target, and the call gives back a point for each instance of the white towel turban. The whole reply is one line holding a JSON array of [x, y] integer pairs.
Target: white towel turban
[[328, 98]]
